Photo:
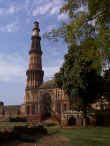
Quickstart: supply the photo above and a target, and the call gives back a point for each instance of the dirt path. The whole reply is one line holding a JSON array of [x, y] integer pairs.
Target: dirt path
[[46, 141], [51, 140]]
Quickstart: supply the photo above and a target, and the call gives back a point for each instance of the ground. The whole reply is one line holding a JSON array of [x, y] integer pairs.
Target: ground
[[12, 124], [92, 136]]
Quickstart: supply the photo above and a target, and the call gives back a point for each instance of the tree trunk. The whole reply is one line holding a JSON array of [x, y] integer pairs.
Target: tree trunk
[[85, 123]]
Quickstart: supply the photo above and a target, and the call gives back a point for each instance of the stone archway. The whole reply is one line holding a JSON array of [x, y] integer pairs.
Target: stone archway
[[45, 106], [27, 109], [72, 121]]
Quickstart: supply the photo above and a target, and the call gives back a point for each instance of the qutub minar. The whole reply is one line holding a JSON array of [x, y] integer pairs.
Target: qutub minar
[[34, 73], [41, 99], [37, 94]]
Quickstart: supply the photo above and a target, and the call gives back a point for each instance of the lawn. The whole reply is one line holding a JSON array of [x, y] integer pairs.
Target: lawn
[[13, 124], [99, 136], [92, 136]]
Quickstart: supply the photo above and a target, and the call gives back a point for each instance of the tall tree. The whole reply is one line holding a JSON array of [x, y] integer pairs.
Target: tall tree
[[87, 34], [107, 85]]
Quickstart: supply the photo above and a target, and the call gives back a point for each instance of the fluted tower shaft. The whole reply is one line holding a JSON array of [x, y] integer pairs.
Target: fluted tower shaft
[[34, 72], [34, 75]]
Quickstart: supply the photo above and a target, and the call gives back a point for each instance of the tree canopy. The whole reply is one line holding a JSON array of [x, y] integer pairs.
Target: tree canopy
[[107, 84], [87, 34]]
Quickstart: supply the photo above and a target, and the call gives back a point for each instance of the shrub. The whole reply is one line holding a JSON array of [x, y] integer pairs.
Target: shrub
[[17, 119], [23, 133]]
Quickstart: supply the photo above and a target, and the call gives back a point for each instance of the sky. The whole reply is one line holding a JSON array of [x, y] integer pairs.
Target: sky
[[16, 23]]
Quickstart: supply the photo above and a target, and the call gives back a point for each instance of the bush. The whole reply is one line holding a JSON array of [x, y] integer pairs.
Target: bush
[[17, 119], [6, 136], [50, 124], [23, 133], [31, 130], [100, 118]]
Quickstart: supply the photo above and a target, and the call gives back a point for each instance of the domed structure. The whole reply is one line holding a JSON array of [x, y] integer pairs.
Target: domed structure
[[1, 103], [50, 84]]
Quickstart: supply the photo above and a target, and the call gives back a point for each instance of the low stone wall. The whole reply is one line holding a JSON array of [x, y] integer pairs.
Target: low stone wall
[[3, 118], [107, 119], [9, 130], [103, 119], [34, 118]]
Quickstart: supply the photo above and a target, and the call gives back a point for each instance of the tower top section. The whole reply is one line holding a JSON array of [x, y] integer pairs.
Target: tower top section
[[36, 29], [35, 46]]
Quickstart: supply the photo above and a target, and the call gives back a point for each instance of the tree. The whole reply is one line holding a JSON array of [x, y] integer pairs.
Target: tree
[[87, 34], [107, 85], [84, 84], [45, 106]]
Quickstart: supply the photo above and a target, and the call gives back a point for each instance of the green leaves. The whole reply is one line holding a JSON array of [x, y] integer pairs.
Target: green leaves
[[107, 84], [87, 34], [71, 6]]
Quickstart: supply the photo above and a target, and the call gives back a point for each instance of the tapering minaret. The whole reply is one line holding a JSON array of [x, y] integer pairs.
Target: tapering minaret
[[34, 73]]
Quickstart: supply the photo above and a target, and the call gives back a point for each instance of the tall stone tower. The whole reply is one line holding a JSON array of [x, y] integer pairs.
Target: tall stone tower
[[34, 73]]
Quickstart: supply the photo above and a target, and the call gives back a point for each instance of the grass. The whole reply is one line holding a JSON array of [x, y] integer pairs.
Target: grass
[[98, 136], [92, 136], [13, 124]]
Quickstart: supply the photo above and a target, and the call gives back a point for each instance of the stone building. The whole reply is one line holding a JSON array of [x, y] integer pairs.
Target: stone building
[[36, 91], [34, 75], [8, 111]]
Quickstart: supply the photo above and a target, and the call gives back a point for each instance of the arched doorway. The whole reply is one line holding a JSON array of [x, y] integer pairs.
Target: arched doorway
[[71, 121], [28, 110], [45, 106], [33, 109]]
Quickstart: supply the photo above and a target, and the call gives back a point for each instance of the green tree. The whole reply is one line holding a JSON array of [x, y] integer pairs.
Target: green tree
[[45, 106], [79, 81], [107, 84], [87, 34]]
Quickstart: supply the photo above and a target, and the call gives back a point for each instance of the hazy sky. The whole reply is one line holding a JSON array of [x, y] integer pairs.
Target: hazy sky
[[16, 23]]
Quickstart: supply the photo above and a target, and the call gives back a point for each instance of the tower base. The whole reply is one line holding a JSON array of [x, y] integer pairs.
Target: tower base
[[33, 118]]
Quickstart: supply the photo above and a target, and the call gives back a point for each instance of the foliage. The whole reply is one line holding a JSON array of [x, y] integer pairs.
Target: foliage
[[45, 106], [79, 81], [107, 84], [87, 34], [23, 134], [17, 119], [75, 107]]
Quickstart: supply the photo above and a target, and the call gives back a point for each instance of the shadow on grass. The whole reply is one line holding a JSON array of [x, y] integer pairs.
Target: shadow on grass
[[53, 130], [23, 134]]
